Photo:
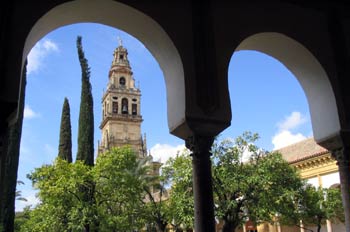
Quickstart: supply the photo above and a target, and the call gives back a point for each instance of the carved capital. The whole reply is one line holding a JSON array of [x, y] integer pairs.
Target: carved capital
[[199, 144], [342, 156]]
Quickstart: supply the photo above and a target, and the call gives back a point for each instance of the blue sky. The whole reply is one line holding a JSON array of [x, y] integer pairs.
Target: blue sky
[[265, 97]]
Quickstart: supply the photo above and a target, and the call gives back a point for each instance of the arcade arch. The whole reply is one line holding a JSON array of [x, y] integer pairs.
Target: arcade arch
[[310, 74]]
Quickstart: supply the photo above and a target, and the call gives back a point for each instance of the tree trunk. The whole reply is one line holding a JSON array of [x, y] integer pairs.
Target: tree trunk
[[319, 224], [319, 227], [229, 226], [160, 226]]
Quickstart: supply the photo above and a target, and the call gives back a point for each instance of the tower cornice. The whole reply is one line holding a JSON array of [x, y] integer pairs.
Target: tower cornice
[[120, 118]]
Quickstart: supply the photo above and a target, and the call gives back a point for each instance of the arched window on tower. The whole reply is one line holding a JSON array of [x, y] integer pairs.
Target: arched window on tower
[[125, 106], [122, 81], [134, 109], [115, 107]]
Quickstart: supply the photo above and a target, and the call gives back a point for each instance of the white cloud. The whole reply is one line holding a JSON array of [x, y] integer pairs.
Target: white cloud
[[292, 121], [285, 138], [38, 53], [29, 113], [162, 152], [49, 45], [30, 196], [32, 200]]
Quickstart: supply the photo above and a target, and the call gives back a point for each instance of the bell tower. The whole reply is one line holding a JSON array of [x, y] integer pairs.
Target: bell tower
[[121, 116]]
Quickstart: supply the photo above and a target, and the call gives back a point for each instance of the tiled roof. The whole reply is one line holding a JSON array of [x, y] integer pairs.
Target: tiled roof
[[302, 150]]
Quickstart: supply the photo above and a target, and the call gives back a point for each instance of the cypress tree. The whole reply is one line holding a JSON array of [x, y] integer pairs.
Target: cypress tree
[[65, 144], [86, 117]]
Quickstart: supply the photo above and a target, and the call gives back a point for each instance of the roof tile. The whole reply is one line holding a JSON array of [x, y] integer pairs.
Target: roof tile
[[302, 150]]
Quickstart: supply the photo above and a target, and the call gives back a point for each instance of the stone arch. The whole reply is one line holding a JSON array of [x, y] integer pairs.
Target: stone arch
[[310, 74], [134, 22]]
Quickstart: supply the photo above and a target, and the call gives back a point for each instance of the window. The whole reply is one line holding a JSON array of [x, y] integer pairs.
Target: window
[[134, 109], [115, 107], [122, 81], [121, 57], [134, 100], [125, 106]]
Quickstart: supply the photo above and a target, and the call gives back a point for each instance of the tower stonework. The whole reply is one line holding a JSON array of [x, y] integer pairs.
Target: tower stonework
[[121, 104]]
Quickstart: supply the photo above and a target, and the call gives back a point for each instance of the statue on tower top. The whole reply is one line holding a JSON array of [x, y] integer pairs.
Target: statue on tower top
[[120, 42]]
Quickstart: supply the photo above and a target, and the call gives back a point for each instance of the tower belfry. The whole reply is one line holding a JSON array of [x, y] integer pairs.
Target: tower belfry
[[121, 116]]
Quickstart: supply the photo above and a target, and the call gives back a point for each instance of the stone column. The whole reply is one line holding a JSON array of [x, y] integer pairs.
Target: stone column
[[202, 182], [279, 227], [302, 226], [342, 157], [329, 226]]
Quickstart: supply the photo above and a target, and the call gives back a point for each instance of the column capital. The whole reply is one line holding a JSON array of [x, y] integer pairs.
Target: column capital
[[341, 156], [199, 144]]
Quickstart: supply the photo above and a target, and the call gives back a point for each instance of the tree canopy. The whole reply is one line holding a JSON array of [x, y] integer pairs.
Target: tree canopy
[[177, 173], [257, 187], [315, 205], [118, 185], [248, 183]]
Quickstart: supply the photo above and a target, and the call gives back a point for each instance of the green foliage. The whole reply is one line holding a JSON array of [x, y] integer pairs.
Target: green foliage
[[21, 218], [258, 187], [19, 193], [157, 207], [65, 143], [120, 179], [316, 205], [86, 116], [116, 184], [333, 205], [178, 172], [121, 191], [62, 203]]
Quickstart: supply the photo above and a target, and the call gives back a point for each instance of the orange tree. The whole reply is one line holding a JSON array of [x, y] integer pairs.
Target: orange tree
[[251, 183]]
